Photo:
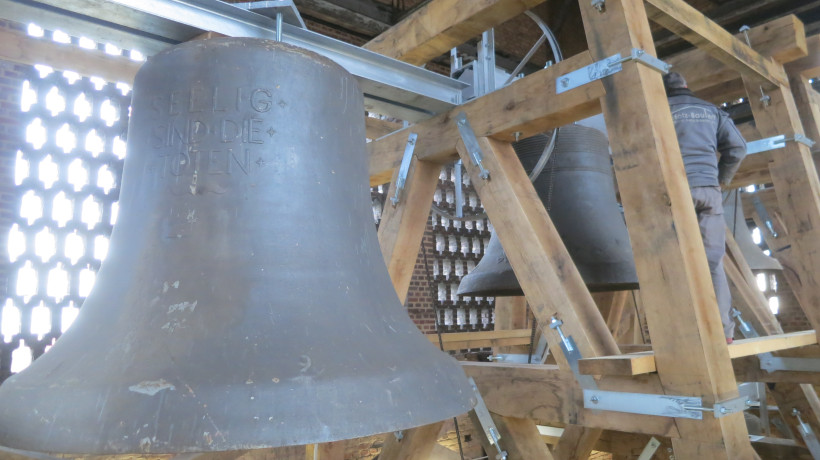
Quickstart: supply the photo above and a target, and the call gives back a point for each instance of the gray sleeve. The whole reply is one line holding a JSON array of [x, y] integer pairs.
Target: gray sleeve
[[731, 146]]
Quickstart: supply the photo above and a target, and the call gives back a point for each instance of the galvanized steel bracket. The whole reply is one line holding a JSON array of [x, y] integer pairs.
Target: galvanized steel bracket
[[650, 449], [471, 143], [776, 142], [607, 67], [808, 435], [771, 363], [276, 8], [764, 214], [661, 405], [404, 169], [486, 421]]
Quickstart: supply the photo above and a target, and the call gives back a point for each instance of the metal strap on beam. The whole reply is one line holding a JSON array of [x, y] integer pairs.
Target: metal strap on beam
[[486, 421], [808, 436], [607, 67], [661, 405], [404, 169], [776, 142], [771, 363]]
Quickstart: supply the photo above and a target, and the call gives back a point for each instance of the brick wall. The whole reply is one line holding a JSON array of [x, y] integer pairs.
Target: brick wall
[[791, 316], [419, 296]]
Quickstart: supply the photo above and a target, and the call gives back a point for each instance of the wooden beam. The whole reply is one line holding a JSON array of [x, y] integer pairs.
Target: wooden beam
[[519, 107], [548, 395], [644, 362], [576, 442], [16, 46], [482, 339], [360, 16], [551, 282], [676, 289], [783, 39], [415, 444], [809, 66], [443, 24], [691, 25], [376, 128], [402, 226], [511, 313], [520, 438]]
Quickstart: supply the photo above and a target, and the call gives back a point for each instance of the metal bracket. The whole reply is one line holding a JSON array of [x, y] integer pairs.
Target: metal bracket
[[404, 169], [808, 435], [764, 214], [607, 67], [573, 355], [771, 363], [746, 329], [662, 405], [486, 421], [471, 143], [650, 449], [776, 142], [273, 8]]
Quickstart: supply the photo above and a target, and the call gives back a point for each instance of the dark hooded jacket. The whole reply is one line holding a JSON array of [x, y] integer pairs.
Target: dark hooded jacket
[[704, 131]]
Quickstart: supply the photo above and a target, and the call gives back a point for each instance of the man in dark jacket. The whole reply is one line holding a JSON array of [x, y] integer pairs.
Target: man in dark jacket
[[704, 131]]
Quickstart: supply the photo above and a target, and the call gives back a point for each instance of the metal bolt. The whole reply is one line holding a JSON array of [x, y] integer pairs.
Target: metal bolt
[[594, 399], [517, 135], [399, 435], [723, 410], [599, 5], [565, 82], [745, 30]]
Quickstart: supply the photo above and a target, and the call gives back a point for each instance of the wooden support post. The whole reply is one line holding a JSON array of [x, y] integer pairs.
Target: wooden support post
[[511, 313], [402, 226], [576, 442], [798, 192], [415, 444], [678, 297], [551, 282], [520, 439]]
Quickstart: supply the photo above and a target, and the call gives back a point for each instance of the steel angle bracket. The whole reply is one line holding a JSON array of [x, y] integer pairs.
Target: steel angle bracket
[[272, 8], [770, 363], [650, 449], [471, 143], [661, 405], [776, 142], [808, 435], [604, 68], [404, 169], [573, 355], [486, 421]]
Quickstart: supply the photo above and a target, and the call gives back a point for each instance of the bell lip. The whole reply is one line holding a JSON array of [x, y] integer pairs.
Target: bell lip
[[458, 400]]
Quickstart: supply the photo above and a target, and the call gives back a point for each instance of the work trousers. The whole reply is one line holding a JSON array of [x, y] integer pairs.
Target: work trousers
[[709, 208]]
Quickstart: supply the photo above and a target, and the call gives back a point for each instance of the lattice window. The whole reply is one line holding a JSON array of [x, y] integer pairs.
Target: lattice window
[[68, 173]]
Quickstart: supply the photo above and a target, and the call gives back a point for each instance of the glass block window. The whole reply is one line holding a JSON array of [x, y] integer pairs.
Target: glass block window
[[67, 172]]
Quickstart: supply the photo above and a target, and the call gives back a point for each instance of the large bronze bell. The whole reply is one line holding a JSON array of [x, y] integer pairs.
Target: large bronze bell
[[244, 302], [736, 221], [578, 190]]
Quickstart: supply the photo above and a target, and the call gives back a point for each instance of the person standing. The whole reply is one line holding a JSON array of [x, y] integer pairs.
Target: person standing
[[712, 149]]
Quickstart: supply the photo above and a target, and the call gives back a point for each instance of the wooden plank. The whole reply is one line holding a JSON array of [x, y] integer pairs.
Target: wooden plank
[[644, 362], [415, 444], [676, 288], [551, 282], [16, 46], [521, 107], [443, 24], [783, 39], [482, 339], [548, 395], [402, 226], [691, 25]]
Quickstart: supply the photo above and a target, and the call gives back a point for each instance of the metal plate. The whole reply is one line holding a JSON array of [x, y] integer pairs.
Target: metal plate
[[290, 15], [590, 73], [645, 404]]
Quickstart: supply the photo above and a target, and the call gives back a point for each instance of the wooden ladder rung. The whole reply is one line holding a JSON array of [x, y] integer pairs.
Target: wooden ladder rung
[[644, 362]]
